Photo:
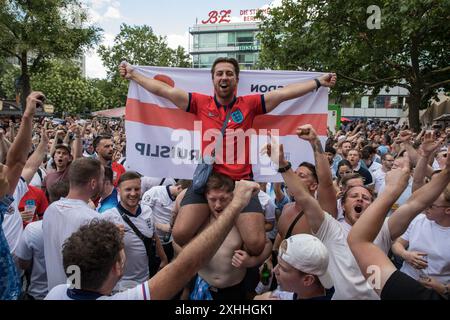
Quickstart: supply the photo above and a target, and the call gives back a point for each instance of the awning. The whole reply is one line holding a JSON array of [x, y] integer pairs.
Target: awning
[[110, 113]]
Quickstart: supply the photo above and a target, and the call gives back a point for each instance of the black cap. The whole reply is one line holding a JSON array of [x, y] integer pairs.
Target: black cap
[[64, 146]]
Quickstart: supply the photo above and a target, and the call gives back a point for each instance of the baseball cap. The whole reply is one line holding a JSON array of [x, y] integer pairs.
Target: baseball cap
[[308, 254], [382, 150], [64, 146]]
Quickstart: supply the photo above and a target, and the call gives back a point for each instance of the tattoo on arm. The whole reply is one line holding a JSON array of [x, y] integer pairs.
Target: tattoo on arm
[[317, 146]]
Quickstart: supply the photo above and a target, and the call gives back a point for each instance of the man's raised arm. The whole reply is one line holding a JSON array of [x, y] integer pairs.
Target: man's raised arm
[[296, 90], [311, 207], [178, 97], [326, 194], [368, 226], [18, 152], [419, 201]]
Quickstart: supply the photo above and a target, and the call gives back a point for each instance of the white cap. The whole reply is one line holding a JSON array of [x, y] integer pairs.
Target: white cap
[[308, 254]]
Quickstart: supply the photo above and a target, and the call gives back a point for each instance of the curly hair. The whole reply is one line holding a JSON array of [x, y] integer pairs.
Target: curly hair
[[94, 248]]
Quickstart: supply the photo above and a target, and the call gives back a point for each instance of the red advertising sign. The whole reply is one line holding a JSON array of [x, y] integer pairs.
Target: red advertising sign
[[223, 16]]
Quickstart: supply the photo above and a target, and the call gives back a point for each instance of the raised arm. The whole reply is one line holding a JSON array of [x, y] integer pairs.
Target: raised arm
[[296, 90], [405, 139], [18, 153], [77, 147], [419, 201], [178, 97], [311, 207], [326, 194], [35, 160], [365, 230], [201, 249], [426, 150]]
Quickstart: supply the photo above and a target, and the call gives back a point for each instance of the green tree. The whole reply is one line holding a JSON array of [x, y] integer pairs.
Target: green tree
[[409, 50], [67, 89], [8, 75], [138, 45], [35, 31]]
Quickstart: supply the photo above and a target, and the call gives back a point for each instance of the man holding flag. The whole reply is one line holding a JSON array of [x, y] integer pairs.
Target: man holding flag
[[212, 111]]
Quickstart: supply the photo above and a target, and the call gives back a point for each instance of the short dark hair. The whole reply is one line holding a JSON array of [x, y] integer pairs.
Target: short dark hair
[[109, 174], [232, 61], [94, 248], [129, 175], [330, 149], [82, 170], [184, 183], [58, 190], [343, 162], [100, 138], [367, 152], [311, 168], [219, 181]]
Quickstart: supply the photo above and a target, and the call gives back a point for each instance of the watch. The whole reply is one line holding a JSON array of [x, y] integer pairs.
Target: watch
[[286, 168], [318, 84]]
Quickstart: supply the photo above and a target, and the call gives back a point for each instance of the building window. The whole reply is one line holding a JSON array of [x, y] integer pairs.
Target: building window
[[226, 39], [244, 37], [208, 40]]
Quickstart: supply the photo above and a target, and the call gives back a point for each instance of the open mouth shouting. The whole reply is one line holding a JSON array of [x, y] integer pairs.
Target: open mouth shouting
[[358, 208]]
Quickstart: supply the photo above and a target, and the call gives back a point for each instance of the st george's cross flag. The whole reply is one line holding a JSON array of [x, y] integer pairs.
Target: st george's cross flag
[[165, 141]]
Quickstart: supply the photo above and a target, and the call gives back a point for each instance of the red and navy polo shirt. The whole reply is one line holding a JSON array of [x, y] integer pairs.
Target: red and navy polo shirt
[[236, 162]]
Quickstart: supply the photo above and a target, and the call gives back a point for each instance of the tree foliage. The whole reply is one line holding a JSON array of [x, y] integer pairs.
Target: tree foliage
[[138, 45], [35, 31], [410, 50], [67, 89]]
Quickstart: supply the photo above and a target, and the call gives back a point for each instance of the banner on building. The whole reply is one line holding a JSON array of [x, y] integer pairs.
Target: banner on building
[[164, 141]]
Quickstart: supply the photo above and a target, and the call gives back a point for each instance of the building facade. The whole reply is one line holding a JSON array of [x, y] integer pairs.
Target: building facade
[[220, 36]]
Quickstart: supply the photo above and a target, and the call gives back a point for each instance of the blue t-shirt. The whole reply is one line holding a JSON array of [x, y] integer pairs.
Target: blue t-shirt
[[109, 202]]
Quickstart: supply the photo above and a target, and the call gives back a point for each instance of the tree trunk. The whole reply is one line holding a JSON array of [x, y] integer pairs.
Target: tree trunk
[[413, 114], [25, 80]]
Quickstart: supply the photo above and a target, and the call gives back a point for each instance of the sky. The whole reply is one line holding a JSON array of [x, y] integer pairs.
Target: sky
[[168, 18]]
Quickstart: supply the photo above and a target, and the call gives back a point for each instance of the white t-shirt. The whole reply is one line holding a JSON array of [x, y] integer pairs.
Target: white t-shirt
[[403, 197], [159, 199], [149, 182], [349, 283], [375, 166], [37, 179], [61, 219], [427, 236], [12, 223], [268, 207], [136, 264], [140, 292], [379, 177], [31, 247]]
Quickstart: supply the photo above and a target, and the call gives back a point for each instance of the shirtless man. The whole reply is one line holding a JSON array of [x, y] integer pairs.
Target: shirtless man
[[223, 275]]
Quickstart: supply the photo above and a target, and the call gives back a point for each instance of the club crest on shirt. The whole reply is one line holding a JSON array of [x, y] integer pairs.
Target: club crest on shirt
[[237, 116]]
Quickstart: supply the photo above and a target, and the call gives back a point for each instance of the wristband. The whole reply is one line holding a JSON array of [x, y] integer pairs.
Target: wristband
[[286, 168], [318, 85]]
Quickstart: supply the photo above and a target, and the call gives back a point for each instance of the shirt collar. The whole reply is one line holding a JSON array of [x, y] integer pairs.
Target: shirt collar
[[121, 208], [78, 294], [168, 192], [225, 107]]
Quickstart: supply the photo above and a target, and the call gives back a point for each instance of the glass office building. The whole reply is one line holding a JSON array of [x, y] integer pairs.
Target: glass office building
[[236, 40]]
